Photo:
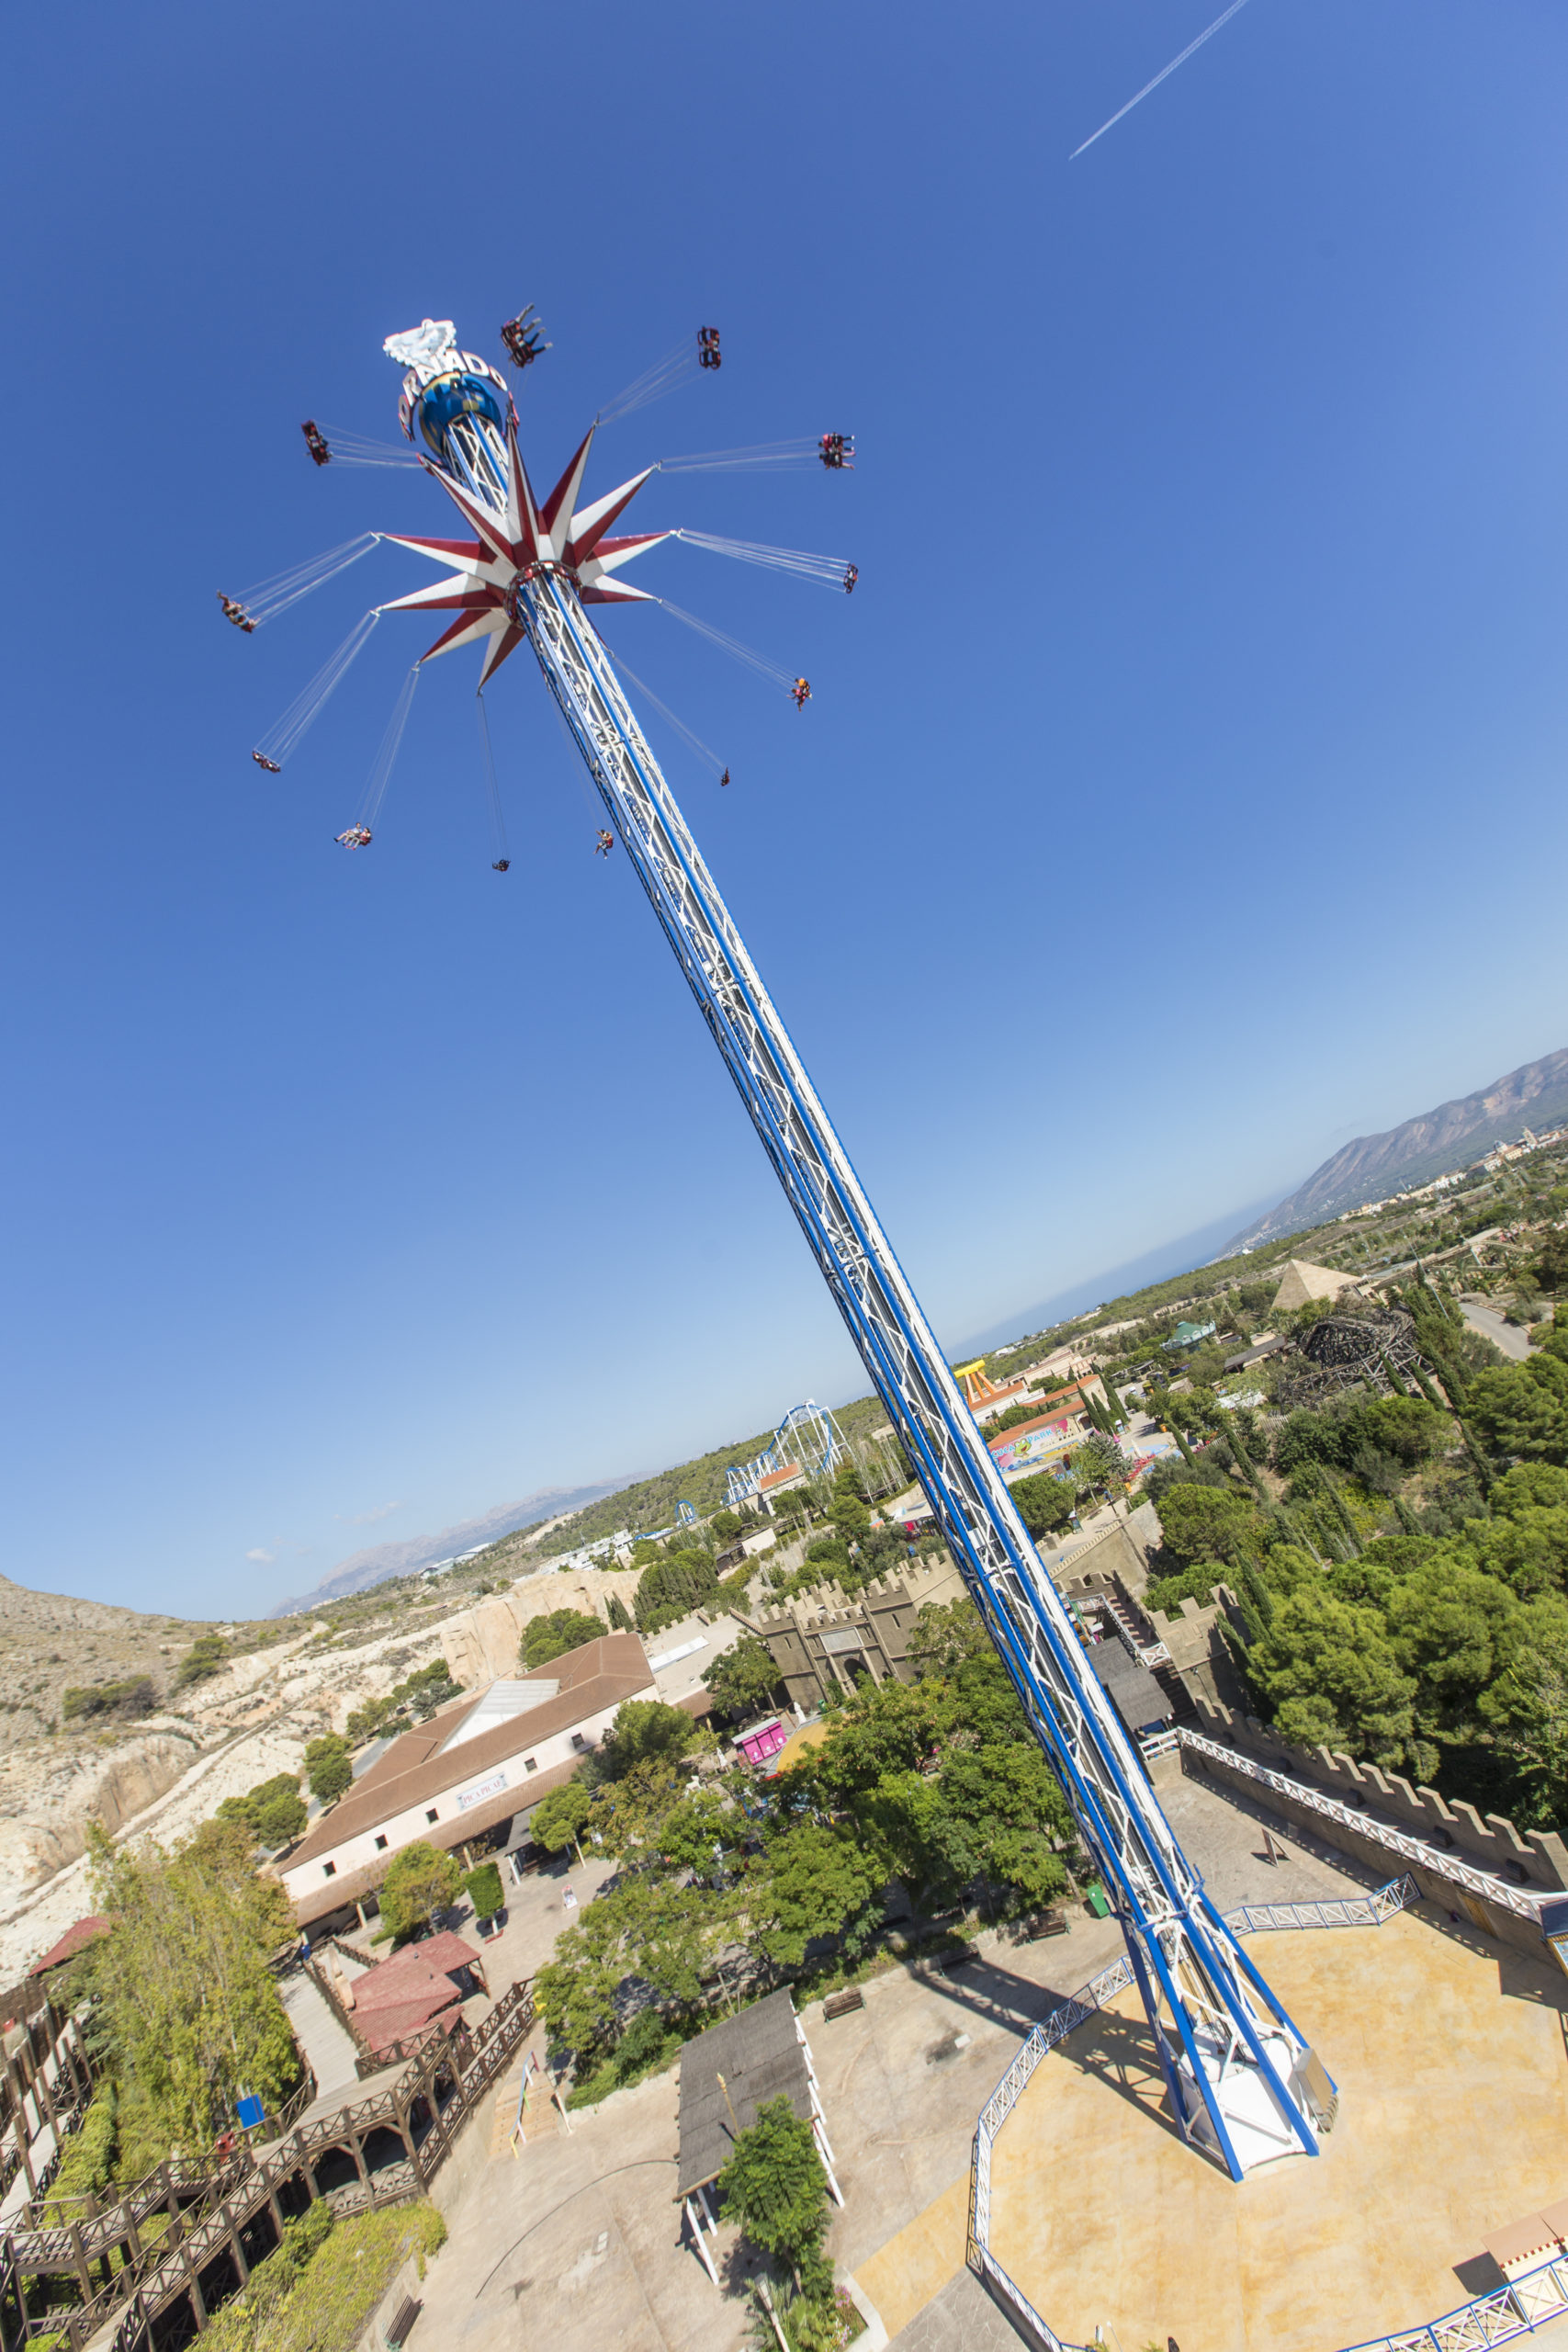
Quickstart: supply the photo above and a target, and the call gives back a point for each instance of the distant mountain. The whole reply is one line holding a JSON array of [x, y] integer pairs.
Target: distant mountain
[[1440, 1141], [384, 1561]]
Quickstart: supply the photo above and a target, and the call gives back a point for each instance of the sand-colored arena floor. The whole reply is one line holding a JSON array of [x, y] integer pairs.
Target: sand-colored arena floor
[[1451, 2061]]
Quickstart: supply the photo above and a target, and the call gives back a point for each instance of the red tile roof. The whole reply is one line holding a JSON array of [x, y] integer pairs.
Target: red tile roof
[[405, 1991], [74, 1940]]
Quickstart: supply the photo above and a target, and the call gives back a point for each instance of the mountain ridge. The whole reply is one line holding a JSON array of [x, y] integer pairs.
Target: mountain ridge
[[380, 1562], [1435, 1143]]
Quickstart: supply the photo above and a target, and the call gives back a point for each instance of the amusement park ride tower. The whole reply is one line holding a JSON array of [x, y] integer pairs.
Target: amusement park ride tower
[[1242, 2081]]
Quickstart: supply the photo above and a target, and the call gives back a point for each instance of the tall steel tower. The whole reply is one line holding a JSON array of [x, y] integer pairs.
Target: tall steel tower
[[1242, 2081]]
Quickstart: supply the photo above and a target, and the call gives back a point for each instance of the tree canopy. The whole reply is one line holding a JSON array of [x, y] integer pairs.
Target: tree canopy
[[420, 1881], [552, 1635], [187, 2015]]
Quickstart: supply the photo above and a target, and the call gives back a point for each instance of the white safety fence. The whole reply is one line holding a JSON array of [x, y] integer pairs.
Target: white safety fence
[[1442, 1864], [1351, 1911]]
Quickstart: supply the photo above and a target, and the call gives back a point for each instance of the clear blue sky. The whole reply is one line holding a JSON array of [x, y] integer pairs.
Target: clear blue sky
[[1181, 792]]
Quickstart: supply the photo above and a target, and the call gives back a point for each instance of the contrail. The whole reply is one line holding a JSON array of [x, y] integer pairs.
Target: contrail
[[1163, 75]]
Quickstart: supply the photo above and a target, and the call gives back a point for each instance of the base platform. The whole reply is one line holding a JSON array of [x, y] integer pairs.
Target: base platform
[[1452, 2059]]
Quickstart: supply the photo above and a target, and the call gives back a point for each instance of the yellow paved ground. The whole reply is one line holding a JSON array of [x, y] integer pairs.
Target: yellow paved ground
[[902, 2276], [809, 1736], [1453, 2080]]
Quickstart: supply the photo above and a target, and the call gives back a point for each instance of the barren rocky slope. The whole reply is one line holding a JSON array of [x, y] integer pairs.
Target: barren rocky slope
[[217, 1737]]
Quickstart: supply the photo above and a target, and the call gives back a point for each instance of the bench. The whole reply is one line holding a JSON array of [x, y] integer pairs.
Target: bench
[[1046, 1923], [395, 2334], [843, 2005]]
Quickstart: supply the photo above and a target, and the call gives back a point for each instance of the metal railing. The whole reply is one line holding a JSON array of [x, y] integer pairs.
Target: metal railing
[[1340, 1911], [1530, 2302], [1442, 1864], [1347, 1911]]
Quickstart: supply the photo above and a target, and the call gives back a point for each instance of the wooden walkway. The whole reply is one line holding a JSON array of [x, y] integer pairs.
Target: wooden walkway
[[187, 2237]]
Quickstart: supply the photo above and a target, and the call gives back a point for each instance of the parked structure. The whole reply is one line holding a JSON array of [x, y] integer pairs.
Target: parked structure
[[470, 1770], [726, 2073]]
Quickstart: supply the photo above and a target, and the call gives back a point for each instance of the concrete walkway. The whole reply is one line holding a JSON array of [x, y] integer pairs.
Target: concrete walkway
[[1510, 1337], [329, 2050]]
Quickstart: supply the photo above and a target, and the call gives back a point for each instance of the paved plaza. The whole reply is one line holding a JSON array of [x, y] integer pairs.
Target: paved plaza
[[1450, 2059], [576, 2241]]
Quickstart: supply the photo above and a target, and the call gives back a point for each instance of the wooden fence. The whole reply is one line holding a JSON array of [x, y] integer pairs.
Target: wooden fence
[[187, 2237]]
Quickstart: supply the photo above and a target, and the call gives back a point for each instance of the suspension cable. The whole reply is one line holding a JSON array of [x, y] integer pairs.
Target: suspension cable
[[381, 773], [502, 856], [730, 645], [285, 736], [828, 570], [767, 457], [269, 597], [695, 742], [663, 377]]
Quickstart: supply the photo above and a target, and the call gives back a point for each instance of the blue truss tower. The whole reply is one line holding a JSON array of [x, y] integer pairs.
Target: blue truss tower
[[1242, 2081]]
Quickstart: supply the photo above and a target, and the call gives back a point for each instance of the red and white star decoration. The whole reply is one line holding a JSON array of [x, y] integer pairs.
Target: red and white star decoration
[[519, 543]]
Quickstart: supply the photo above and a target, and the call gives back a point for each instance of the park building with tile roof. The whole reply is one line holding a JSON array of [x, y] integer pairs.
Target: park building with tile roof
[[472, 1768]]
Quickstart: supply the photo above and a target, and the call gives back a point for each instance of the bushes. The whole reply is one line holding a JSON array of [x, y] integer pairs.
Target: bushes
[[125, 1701], [89, 2164], [483, 1889], [420, 1881], [318, 2292], [1202, 1523], [207, 1656], [552, 1635], [1196, 1582], [273, 1811]]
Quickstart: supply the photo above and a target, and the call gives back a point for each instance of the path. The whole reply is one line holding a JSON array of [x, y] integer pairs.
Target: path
[[326, 2045], [1510, 1337]]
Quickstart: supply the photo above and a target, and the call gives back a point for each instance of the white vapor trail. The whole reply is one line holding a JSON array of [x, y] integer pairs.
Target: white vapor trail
[[1163, 75]]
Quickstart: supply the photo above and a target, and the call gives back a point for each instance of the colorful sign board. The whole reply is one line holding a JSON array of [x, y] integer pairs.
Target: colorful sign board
[[1036, 1449]]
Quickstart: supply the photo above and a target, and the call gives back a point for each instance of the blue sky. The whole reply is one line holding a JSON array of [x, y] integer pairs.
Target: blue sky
[[1181, 795]]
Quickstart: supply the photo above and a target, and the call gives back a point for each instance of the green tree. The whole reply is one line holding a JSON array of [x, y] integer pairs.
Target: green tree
[[484, 1890], [328, 1767], [775, 2187], [1522, 1409], [280, 1817], [726, 1525], [1330, 1675], [420, 1881], [551, 1637], [1101, 1462], [1450, 1627], [560, 1819], [619, 1615], [743, 1680], [1198, 1523], [1045, 1504], [644, 1730], [643, 1929], [1526, 1709], [184, 2009], [821, 1882]]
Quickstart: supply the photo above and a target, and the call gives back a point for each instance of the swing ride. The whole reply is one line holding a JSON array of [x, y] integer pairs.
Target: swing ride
[[1242, 2083]]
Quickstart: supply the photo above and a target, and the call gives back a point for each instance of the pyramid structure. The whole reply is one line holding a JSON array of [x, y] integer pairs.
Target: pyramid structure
[[1303, 1281]]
